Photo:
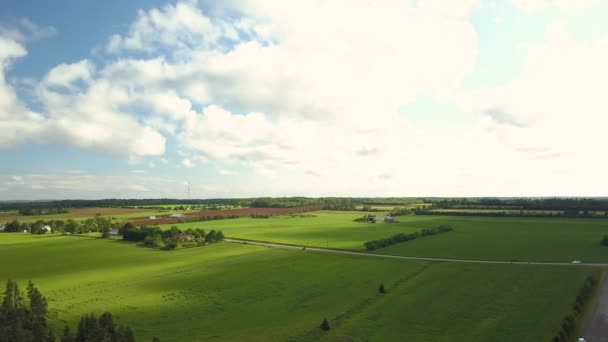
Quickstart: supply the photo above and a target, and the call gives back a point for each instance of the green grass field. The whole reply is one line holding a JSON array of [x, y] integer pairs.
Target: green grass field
[[331, 229], [234, 292], [482, 238], [492, 238]]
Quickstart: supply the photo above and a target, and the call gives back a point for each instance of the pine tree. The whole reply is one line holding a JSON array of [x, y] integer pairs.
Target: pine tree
[[67, 335], [51, 337], [106, 324], [13, 315], [325, 324], [381, 289], [38, 312]]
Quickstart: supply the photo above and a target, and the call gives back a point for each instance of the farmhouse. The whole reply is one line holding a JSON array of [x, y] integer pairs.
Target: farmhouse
[[176, 215], [114, 232], [45, 229], [152, 217], [382, 219]]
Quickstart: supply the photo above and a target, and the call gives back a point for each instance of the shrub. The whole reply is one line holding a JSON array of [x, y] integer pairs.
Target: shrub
[[325, 325], [402, 237], [170, 245]]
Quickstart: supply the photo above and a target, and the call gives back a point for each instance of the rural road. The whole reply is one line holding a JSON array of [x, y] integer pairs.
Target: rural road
[[597, 326], [386, 256]]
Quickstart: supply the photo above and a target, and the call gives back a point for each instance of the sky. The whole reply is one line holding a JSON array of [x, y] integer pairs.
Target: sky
[[138, 99]]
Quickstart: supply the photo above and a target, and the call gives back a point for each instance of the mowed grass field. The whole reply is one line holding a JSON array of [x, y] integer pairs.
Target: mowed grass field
[[235, 292], [481, 238]]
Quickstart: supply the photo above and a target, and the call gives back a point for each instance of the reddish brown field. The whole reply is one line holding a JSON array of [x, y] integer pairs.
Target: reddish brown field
[[229, 212]]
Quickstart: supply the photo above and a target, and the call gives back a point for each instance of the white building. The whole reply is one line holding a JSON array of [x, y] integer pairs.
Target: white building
[[45, 229]]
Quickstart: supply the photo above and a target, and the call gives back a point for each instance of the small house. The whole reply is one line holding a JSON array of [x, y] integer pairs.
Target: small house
[[152, 217], [176, 216], [114, 232], [45, 229]]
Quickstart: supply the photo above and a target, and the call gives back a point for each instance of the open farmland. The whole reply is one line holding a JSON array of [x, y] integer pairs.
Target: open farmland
[[235, 292], [333, 229], [482, 238], [497, 238], [240, 212], [83, 213]]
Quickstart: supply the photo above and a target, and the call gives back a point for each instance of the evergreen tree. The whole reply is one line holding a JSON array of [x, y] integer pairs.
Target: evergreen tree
[[67, 335], [106, 325], [37, 314], [325, 324], [51, 337], [381, 289], [13, 315]]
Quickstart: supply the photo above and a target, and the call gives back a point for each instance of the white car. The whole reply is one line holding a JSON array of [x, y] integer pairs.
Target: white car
[[576, 262]]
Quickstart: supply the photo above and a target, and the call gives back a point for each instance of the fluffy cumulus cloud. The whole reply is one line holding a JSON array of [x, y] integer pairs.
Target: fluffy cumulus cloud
[[308, 95], [553, 114], [17, 122], [289, 96], [77, 109]]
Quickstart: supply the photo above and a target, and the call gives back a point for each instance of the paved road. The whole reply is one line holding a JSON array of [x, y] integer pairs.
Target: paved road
[[597, 326], [337, 251]]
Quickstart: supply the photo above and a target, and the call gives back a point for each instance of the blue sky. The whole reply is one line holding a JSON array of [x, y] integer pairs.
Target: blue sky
[[315, 98]]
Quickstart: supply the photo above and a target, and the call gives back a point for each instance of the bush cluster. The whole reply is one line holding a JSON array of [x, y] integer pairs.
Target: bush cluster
[[172, 238], [402, 237], [568, 325]]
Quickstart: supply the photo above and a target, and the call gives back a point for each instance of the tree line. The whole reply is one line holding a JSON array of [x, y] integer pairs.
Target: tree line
[[94, 224], [403, 237], [568, 324], [23, 318], [172, 238]]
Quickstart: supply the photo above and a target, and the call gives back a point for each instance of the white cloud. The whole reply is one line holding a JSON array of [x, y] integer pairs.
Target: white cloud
[[23, 30], [459, 8], [180, 26], [552, 117], [187, 163], [17, 122], [65, 74], [530, 6], [88, 186]]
